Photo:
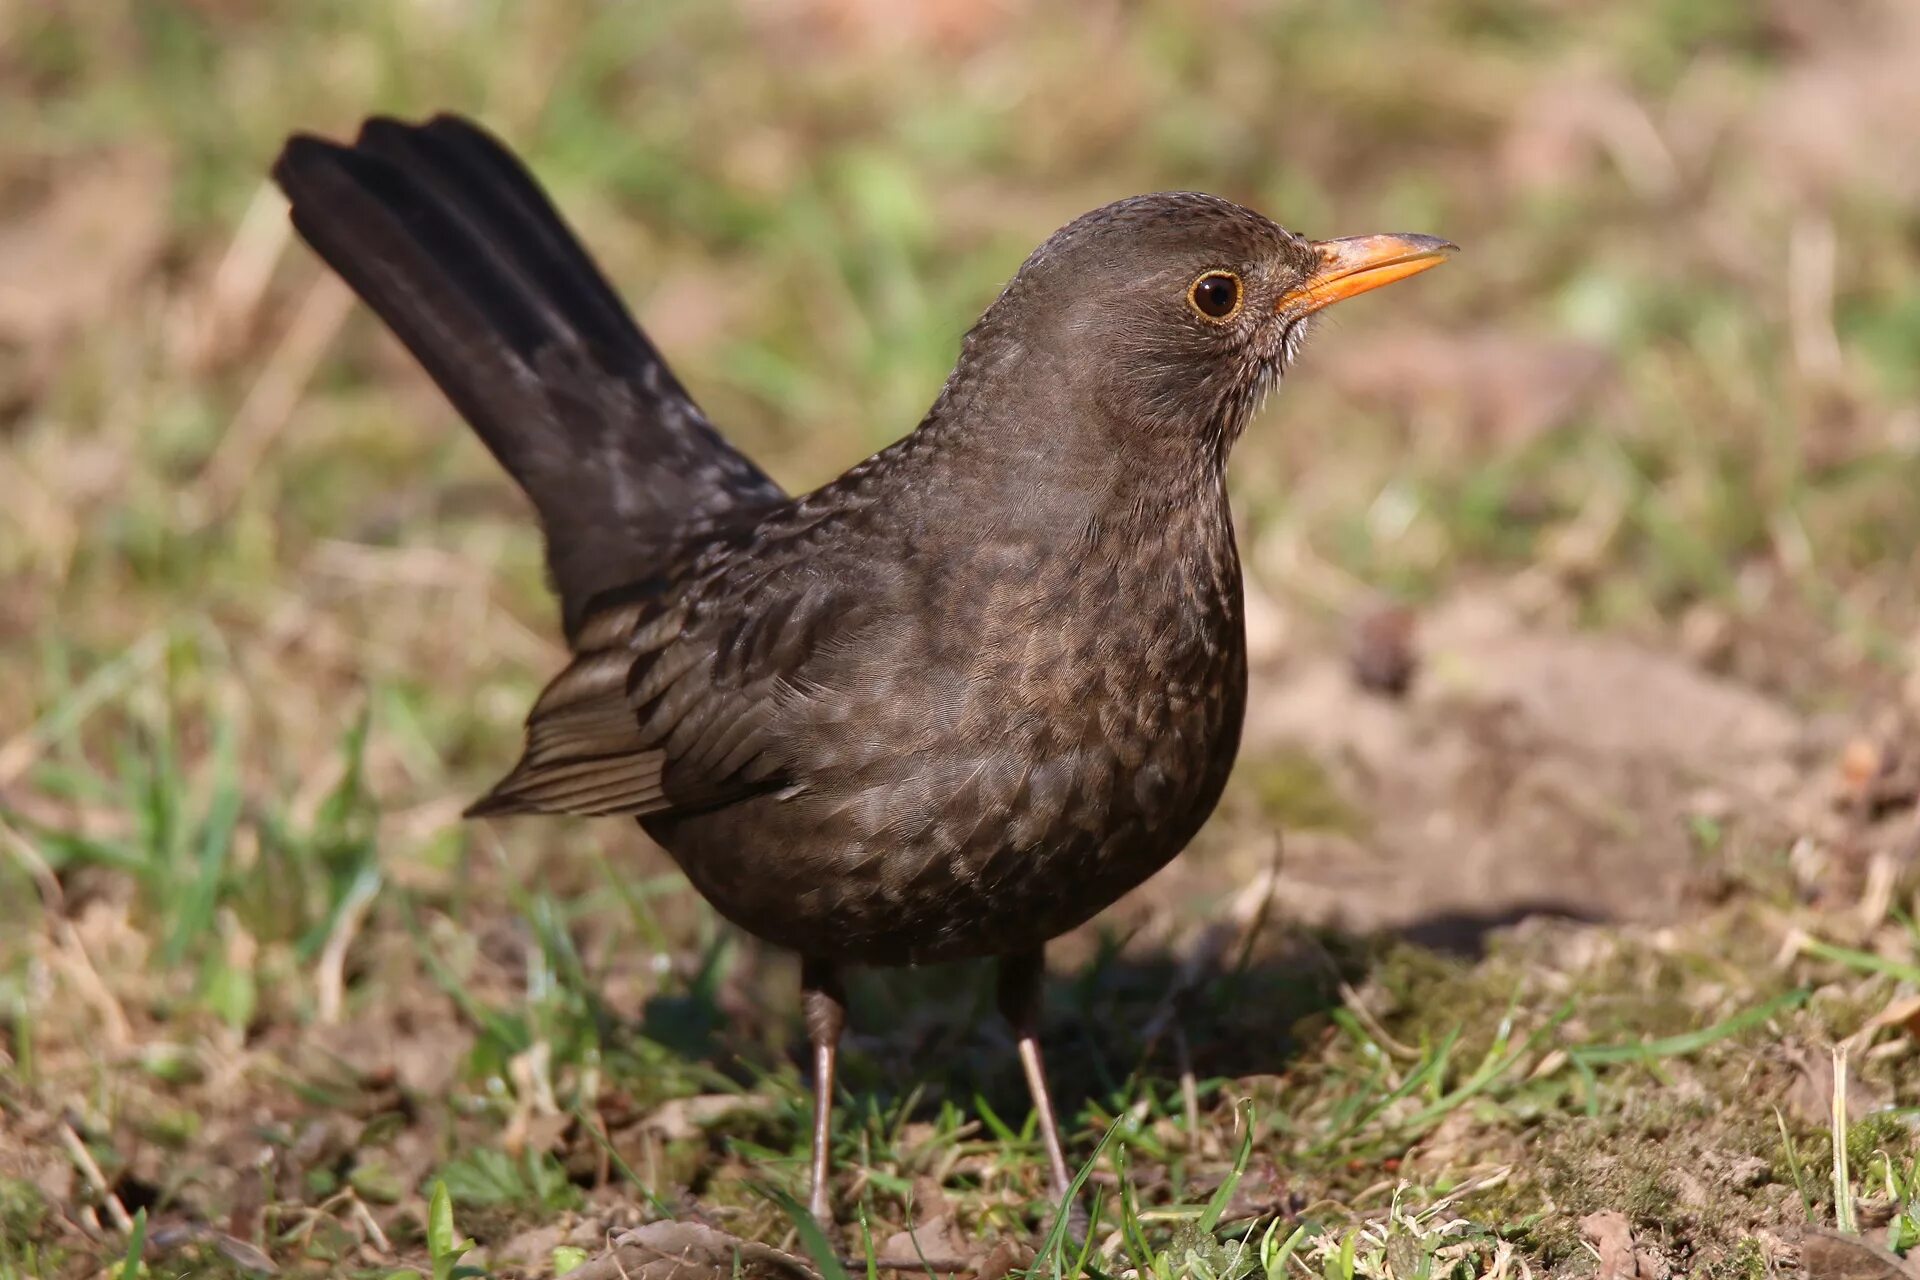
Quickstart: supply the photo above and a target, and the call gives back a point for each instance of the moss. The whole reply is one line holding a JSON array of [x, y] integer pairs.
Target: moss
[[23, 1210], [173, 1127], [1747, 1261], [1883, 1132], [1662, 1161], [1524, 1215]]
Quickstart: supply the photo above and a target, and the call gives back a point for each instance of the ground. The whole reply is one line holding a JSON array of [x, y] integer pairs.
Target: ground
[[1561, 915]]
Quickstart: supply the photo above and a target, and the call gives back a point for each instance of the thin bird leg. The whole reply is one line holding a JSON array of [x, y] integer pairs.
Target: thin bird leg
[[825, 1005], [1020, 979]]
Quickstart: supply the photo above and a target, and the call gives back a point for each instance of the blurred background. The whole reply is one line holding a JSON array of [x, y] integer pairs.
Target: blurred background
[[1629, 495]]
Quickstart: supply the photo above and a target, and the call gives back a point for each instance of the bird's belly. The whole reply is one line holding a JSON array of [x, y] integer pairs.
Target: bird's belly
[[986, 834]]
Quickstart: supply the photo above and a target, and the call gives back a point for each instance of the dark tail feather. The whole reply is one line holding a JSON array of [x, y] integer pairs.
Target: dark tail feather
[[473, 172], [453, 244]]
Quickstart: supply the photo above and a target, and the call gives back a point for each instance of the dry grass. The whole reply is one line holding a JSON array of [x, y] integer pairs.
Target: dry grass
[[1645, 466]]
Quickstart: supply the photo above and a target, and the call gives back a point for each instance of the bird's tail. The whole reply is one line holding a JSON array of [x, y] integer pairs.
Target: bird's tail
[[449, 239]]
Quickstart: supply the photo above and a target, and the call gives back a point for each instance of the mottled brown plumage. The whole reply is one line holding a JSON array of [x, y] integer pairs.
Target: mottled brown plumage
[[949, 705]]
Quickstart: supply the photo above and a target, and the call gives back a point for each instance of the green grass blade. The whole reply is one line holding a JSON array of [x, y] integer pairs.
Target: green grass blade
[[194, 911], [136, 1246], [1223, 1195], [1051, 1248], [813, 1237], [1691, 1041], [1862, 960]]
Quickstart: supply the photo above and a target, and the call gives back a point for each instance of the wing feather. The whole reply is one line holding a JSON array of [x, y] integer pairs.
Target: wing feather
[[665, 717]]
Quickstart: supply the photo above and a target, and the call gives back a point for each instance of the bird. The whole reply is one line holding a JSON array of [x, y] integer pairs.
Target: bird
[[949, 705]]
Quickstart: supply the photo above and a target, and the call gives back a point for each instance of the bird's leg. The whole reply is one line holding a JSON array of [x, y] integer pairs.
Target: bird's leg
[[1020, 979], [825, 1006]]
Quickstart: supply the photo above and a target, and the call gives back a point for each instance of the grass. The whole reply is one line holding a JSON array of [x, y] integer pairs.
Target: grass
[[269, 619]]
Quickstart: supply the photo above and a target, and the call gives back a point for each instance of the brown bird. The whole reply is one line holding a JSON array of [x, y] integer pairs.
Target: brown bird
[[949, 705]]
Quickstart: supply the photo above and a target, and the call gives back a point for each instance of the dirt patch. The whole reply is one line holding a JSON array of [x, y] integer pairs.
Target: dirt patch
[[1528, 769]]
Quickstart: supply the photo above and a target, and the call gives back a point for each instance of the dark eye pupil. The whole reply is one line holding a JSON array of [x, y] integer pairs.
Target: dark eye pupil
[[1216, 295]]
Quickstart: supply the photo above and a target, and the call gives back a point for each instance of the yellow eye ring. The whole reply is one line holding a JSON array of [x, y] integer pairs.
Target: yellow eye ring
[[1216, 296]]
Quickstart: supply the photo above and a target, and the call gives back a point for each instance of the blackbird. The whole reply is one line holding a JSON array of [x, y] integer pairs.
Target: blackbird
[[948, 705]]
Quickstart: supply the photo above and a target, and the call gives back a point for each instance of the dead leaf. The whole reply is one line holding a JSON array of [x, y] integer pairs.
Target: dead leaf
[[1829, 1255], [232, 1248], [1612, 1239], [1452, 1144], [691, 1251], [936, 1243], [529, 1132], [1003, 1260], [533, 1246], [681, 1118], [1263, 1191], [1620, 1257], [935, 1240], [1902, 1011], [419, 1046]]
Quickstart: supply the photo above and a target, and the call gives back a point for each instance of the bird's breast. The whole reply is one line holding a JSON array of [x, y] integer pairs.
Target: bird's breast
[[1062, 730], [1015, 740]]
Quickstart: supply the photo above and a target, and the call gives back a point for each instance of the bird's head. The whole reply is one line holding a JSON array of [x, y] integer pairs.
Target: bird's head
[[1171, 314]]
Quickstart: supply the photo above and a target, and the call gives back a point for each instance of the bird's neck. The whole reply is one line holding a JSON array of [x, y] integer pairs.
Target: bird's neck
[[1026, 439], [1055, 479]]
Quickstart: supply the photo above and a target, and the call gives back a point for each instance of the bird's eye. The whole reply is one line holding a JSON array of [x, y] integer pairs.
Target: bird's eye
[[1215, 296]]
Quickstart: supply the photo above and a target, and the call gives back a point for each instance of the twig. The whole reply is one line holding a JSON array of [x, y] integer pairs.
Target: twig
[[1189, 1086], [1876, 896], [1812, 249], [1364, 1016], [330, 972], [1843, 1213], [83, 1160], [69, 950], [79, 967], [1633, 142], [372, 1228], [1483, 1182], [270, 402], [239, 281], [52, 896]]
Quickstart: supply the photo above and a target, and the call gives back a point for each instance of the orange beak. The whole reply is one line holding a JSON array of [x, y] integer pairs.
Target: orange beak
[[1355, 264]]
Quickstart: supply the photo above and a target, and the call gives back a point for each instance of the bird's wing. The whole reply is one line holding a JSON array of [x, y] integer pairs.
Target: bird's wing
[[444, 234], [673, 704]]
